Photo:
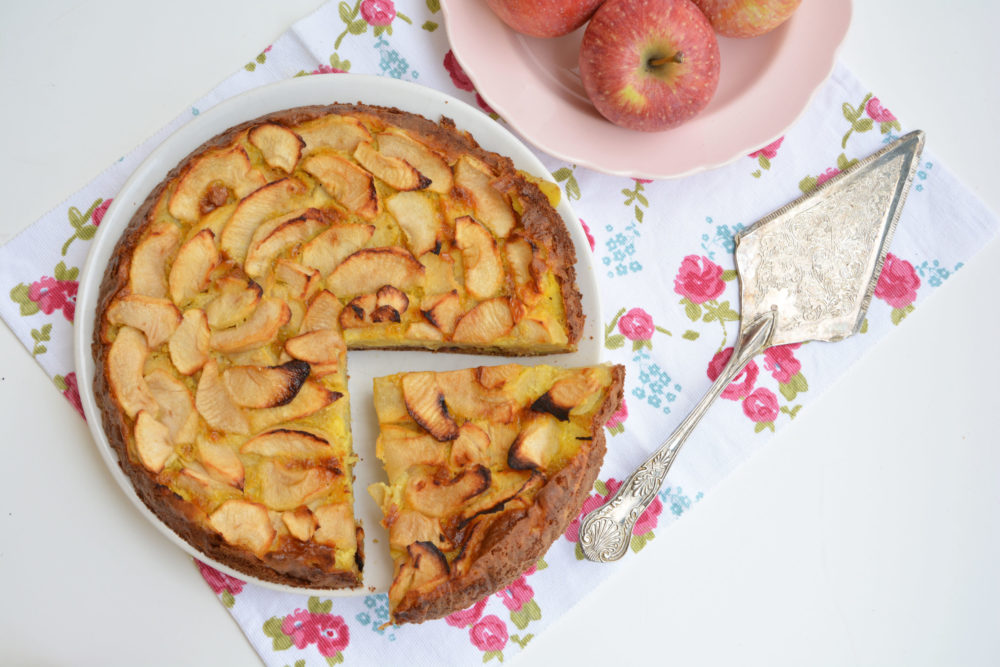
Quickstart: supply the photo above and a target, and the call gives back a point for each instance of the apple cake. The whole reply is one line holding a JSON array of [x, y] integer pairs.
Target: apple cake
[[486, 467], [234, 293]]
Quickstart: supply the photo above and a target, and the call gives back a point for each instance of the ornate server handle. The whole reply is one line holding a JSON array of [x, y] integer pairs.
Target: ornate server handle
[[606, 532]]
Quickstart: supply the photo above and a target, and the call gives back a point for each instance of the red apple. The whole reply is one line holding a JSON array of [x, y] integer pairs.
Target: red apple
[[747, 18], [649, 64], [544, 18]]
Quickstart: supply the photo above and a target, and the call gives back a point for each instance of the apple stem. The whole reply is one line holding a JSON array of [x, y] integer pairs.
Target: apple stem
[[676, 58]]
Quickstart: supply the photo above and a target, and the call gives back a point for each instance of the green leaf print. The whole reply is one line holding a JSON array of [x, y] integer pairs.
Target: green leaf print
[[691, 309], [62, 272], [690, 335], [522, 642], [729, 274], [614, 342], [795, 385], [272, 628], [854, 117], [19, 295], [490, 655], [318, 607], [760, 426], [334, 659], [228, 600], [571, 186], [429, 26], [81, 224], [528, 612], [898, 314], [434, 6], [600, 487]]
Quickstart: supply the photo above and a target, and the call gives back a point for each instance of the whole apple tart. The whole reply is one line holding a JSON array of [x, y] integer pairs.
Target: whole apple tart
[[232, 297]]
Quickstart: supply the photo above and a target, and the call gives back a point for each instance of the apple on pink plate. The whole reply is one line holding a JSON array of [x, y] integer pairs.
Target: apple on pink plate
[[544, 18], [747, 18], [649, 64]]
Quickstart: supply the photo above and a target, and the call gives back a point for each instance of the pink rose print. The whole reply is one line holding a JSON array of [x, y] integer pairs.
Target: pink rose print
[[216, 580], [489, 634], [327, 69], [636, 324], [586, 230], [742, 384], [460, 619], [877, 112], [761, 406], [72, 394], [378, 12], [699, 279], [646, 522], [515, 595], [457, 74], [827, 175], [99, 212], [618, 418], [330, 633], [780, 361], [769, 151], [51, 294], [898, 283]]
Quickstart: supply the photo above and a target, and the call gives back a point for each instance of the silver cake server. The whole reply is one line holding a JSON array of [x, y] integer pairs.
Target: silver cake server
[[807, 272]]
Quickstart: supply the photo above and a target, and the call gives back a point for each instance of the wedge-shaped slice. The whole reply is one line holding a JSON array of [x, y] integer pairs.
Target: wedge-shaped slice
[[323, 313], [177, 410], [325, 252], [152, 442], [189, 345], [215, 404], [396, 172], [280, 147], [124, 368], [485, 323], [312, 398], [270, 315], [221, 461], [265, 386], [275, 198], [484, 274], [346, 182], [189, 274], [229, 168], [283, 487], [335, 526], [237, 298], [289, 444], [367, 270], [156, 318], [436, 498], [419, 216], [296, 231], [341, 133], [425, 403], [491, 206], [443, 310], [148, 268], [423, 159], [321, 349], [245, 524]]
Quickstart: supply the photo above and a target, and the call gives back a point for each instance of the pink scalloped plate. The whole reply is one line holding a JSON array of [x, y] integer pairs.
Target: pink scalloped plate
[[534, 85]]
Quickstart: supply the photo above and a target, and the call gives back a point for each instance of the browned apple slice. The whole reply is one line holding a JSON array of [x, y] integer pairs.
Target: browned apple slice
[[323, 313], [425, 403], [229, 169], [400, 448], [289, 444], [285, 195], [420, 218], [152, 442], [284, 487], [177, 411], [189, 273], [471, 446], [393, 171], [485, 323], [332, 131], [331, 247], [535, 446], [425, 567], [238, 296], [505, 487], [443, 310], [520, 254], [124, 366], [390, 300], [335, 526], [358, 312], [300, 523], [427, 162], [568, 393], [188, 346], [156, 318], [264, 248], [271, 314], [346, 182], [408, 527], [434, 497], [439, 272], [322, 349], [244, 524], [495, 377], [302, 281], [221, 461], [492, 208], [215, 404], [265, 386], [312, 398], [280, 147], [148, 268], [367, 270], [484, 275]]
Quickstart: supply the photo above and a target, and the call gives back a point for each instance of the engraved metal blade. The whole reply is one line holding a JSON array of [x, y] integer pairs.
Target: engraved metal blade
[[816, 261]]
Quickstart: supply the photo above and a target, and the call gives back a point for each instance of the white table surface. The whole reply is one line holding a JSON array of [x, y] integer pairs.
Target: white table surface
[[867, 533]]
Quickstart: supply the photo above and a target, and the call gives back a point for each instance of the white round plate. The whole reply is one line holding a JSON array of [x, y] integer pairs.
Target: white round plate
[[534, 84], [363, 365]]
